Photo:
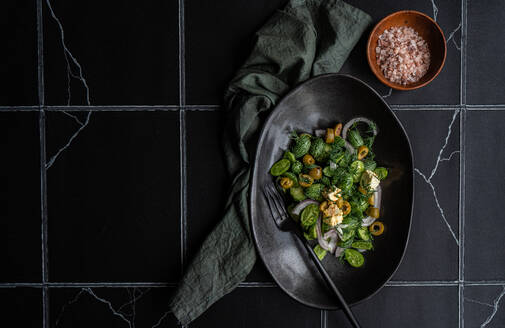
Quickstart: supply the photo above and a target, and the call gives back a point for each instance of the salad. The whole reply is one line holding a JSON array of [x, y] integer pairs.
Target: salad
[[334, 182]]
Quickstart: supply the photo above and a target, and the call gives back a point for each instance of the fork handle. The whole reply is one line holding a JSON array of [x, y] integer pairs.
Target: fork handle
[[329, 281]]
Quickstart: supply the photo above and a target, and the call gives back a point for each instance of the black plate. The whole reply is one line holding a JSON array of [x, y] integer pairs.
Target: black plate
[[319, 103]]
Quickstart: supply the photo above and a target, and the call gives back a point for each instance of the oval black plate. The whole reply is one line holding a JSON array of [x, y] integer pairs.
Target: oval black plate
[[318, 103]]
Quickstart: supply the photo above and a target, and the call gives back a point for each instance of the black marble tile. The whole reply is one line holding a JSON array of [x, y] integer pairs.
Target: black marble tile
[[445, 89], [405, 307], [207, 177], [111, 307], [484, 190], [18, 73], [258, 307], [20, 197], [485, 62], [113, 197], [483, 306], [207, 192], [219, 37], [432, 253], [21, 307], [128, 52]]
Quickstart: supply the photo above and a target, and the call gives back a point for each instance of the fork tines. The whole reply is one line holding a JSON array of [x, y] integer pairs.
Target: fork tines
[[275, 203]]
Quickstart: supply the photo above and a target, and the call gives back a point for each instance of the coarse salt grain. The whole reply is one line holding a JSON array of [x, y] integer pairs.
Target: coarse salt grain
[[402, 55]]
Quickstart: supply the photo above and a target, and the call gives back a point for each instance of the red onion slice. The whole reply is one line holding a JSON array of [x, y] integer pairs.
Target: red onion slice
[[367, 221], [377, 197], [329, 246], [301, 205], [330, 234], [358, 119], [349, 147]]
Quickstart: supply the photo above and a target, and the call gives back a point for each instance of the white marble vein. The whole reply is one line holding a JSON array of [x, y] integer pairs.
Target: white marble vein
[[496, 306], [471, 300], [70, 60], [68, 54], [388, 94], [109, 305], [451, 37], [428, 180], [133, 298], [450, 156], [64, 307], [69, 142], [435, 10], [134, 305], [74, 117], [157, 324], [134, 294]]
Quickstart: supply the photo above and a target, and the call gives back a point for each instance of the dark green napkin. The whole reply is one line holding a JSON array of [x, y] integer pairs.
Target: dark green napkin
[[306, 38]]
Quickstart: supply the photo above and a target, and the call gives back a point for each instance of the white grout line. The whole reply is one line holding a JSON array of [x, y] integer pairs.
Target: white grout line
[[424, 108], [462, 135], [460, 306], [40, 54], [199, 108], [421, 283], [21, 108], [182, 56], [324, 319], [183, 191], [463, 73], [133, 108], [43, 173], [485, 283], [242, 284], [182, 136], [461, 253], [131, 284], [485, 107]]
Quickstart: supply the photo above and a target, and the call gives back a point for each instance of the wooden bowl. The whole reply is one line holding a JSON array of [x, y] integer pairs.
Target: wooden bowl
[[427, 28]]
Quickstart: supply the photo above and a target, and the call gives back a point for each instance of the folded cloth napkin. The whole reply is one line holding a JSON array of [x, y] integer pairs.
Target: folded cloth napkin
[[306, 38]]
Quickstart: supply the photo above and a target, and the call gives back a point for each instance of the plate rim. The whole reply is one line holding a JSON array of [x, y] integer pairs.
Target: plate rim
[[252, 186]]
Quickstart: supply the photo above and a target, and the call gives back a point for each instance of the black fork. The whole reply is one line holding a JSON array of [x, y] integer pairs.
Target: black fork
[[285, 223]]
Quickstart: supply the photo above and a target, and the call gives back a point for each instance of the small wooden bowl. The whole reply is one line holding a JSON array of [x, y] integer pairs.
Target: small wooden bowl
[[427, 28]]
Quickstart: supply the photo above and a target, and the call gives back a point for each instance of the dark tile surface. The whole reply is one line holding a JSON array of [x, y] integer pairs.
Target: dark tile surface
[[207, 177], [128, 52], [111, 307], [20, 217], [484, 190], [484, 306], [445, 89], [208, 181], [258, 307], [219, 37], [432, 253], [21, 307], [113, 197], [429, 307], [18, 72], [485, 62]]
